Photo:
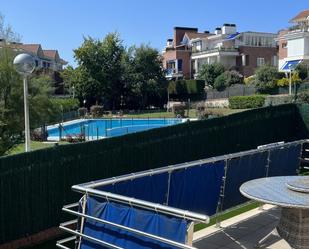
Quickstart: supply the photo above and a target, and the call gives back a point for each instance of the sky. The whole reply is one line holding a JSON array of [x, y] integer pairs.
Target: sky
[[62, 24]]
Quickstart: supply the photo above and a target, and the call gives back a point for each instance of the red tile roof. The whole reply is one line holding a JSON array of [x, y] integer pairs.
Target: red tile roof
[[50, 53], [33, 48], [301, 16]]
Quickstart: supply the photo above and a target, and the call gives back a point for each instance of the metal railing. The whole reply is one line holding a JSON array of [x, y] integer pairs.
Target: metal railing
[[89, 189], [214, 50]]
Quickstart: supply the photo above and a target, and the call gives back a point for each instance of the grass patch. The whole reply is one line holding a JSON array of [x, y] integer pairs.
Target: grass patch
[[35, 145], [227, 215]]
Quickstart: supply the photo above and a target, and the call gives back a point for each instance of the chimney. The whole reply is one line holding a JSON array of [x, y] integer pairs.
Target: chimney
[[228, 29], [179, 33], [169, 43], [218, 31]]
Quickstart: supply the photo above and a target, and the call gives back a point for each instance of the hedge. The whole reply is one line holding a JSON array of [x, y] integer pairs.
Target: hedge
[[186, 88], [34, 186], [245, 102]]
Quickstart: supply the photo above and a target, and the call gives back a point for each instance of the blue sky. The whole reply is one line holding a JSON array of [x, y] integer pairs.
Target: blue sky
[[61, 24]]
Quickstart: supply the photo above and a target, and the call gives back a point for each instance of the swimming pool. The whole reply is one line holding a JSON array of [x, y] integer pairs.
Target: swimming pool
[[101, 128]]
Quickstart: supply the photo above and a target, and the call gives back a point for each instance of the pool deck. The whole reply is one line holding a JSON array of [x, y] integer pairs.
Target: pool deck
[[243, 231]]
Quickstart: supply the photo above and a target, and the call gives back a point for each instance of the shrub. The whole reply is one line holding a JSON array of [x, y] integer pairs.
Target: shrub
[[283, 82], [220, 82], [97, 110], [244, 102], [200, 110], [249, 80], [266, 78], [209, 72], [302, 70], [303, 97], [82, 111], [227, 79], [179, 110]]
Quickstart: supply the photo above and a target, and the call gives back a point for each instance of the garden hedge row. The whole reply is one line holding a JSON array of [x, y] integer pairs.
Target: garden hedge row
[[183, 89], [34, 186], [245, 102]]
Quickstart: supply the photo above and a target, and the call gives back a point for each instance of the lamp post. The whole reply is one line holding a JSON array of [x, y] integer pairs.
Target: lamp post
[[290, 80], [24, 65], [73, 88]]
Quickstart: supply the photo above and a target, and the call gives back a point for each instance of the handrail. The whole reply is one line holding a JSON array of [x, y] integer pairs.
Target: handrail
[[144, 204], [148, 235], [113, 180]]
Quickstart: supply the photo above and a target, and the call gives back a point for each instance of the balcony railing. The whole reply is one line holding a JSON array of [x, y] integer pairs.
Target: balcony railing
[[214, 50], [172, 72]]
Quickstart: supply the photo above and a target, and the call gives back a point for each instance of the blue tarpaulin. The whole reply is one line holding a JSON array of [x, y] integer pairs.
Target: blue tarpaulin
[[197, 188], [239, 171], [149, 188], [150, 222], [284, 161], [290, 65]]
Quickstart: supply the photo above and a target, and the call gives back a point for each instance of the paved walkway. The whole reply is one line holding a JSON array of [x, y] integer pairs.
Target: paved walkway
[[243, 231]]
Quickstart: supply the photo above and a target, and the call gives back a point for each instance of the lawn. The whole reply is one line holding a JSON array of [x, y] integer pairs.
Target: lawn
[[229, 214], [192, 113], [35, 145]]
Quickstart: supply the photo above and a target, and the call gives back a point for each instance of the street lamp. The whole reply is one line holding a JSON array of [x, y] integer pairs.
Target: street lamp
[[24, 65]]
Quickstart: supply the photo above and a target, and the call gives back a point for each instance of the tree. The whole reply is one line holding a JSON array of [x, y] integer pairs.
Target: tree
[[41, 109], [209, 72], [265, 78], [302, 70], [227, 79], [7, 32], [145, 76], [99, 74]]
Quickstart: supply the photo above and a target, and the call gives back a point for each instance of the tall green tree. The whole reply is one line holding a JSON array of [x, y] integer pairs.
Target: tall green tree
[[145, 75], [100, 69]]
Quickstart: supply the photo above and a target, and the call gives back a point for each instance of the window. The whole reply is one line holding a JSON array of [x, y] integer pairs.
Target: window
[[284, 45], [260, 62], [36, 63], [245, 60], [179, 65], [44, 64]]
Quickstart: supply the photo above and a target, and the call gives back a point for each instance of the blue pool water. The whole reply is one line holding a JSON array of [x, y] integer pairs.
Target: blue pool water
[[98, 128]]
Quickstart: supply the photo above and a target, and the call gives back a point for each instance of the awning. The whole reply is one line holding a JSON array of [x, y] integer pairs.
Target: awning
[[290, 65], [231, 36]]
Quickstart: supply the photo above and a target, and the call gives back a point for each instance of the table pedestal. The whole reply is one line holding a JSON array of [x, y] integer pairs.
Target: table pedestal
[[294, 227]]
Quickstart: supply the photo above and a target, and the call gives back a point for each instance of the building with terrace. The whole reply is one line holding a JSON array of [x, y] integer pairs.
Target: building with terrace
[[44, 59], [242, 51], [294, 42], [47, 61]]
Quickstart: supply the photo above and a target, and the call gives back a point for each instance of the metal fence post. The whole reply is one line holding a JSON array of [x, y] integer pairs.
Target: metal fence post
[[222, 192]]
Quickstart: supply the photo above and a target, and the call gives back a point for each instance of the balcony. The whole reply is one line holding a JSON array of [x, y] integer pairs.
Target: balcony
[[215, 50], [173, 73]]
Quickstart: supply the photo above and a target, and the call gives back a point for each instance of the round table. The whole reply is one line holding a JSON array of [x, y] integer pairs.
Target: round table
[[291, 193]]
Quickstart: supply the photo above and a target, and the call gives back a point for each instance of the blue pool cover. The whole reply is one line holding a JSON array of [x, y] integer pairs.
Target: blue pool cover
[[169, 228]]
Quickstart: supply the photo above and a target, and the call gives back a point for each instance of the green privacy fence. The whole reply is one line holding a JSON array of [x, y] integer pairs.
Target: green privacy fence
[[34, 186]]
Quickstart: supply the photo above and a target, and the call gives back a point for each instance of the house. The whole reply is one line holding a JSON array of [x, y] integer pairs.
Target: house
[[242, 51], [177, 53], [47, 62], [294, 43]]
